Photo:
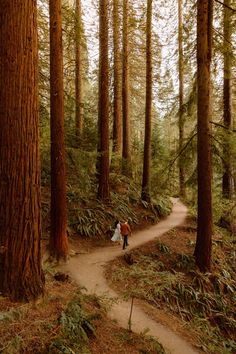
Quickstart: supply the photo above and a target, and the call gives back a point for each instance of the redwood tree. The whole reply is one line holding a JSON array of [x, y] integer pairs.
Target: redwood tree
[[148, 108], [103, 105], [204, 44], [181, 94], [21, 275], [117, 106], [78, 73], [227, 182], [58, 237], [126, 150]]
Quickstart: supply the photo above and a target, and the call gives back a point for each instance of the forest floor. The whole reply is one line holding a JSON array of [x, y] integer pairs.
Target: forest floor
[[88, 271], [89, 313]]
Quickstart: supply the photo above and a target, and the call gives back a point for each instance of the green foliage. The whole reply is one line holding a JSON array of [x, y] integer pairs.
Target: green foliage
[[90, 217], [162, 205], [186, 262], [76, 323], [163, 248], [97, 219], [205, 299], [76, 329]]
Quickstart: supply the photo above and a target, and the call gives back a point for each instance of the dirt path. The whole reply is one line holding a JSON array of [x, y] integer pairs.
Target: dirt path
[[87, 270]]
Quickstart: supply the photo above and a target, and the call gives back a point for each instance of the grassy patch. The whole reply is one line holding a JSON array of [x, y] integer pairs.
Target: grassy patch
[[67, 321], [76, 329], [29, 328], [166, 277]]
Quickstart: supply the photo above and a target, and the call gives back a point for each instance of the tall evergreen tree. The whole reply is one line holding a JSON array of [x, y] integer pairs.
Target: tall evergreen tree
[[204, 167], [103, 104], [181, 93], [227, 183], [126, 150], [21, 275], [58, 236], [148, 108], [78, 73], [117, 106]]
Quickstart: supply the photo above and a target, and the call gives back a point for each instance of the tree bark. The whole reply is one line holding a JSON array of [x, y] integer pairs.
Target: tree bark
[[117, 106], [227, 181], [126, 150], [204, 168], [145, 195], [78, 74], [21, 276], [58, 237], [181, 94], [103, 104]]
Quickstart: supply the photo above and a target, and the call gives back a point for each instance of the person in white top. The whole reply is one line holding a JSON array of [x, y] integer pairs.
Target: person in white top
[[117, 234]]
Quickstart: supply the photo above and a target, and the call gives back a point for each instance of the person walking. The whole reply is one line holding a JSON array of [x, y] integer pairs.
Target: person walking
[[117, 234], [125, 232]]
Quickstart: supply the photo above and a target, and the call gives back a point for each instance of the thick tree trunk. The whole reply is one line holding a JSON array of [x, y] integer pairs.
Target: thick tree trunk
[[78, 74], [58, 237], [181, 94], [21, 275], [103, 105], [126, 151], [148, 109], [204, 39], [227, 182], [117, 120]]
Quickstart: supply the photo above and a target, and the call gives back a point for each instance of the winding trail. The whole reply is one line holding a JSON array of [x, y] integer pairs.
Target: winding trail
[[87, 270]]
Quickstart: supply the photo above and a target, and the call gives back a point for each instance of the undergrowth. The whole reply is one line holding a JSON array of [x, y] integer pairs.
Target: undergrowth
[[80, 323], [164, 277], [76, 329], [90, 217], [68, 321]]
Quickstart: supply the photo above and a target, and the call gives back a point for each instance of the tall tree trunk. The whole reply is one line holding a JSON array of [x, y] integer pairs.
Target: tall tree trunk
[[227, 182], [181, 93], [58, 237], [148, 109], [78, 74], [21, 275], [117, 122], [103, 104], [204, 44], [126, 151]]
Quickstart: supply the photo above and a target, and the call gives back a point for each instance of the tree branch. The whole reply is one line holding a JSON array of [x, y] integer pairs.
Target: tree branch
[[180, 152], [218, 32], [228, 7], [223, 126]]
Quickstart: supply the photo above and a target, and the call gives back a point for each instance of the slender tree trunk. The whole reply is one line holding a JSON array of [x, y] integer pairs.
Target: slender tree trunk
[[227, 182], [204, 43], [58, 237], [126, 152], [117, 123], [21, 275], [181, 94], [103, 105], [78, 74], [148, 109]]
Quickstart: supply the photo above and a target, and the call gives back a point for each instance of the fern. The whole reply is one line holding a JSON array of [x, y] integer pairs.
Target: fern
[[76, 330]]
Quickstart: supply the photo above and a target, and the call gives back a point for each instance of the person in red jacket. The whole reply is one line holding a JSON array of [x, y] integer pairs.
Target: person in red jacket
[[125, 232]]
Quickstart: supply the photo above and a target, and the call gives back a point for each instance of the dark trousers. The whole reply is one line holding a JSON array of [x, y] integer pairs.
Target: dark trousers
[[125, 243]]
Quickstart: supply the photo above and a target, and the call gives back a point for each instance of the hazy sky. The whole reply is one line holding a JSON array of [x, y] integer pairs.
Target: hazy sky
[[168, 39]]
